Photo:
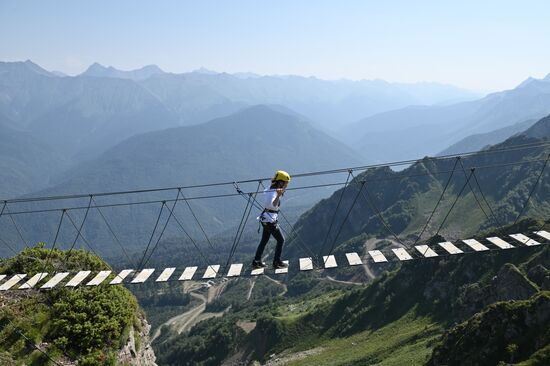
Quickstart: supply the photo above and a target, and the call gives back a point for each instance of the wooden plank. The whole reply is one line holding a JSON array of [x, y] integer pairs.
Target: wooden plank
[[55, 280], [377, 256], [475, 245], [188, 273], [33, 281], [354, 259], [257, 271], [211, 271], [12, 282], [2, 277], [143, 275], [426, 251], [450, 247], [165, 275], [500, 243], [524, 239], [99, 278], [78, 278], [330, 261], [402, 254], [282, 270], [306, 264], [121, 276], [235, 270], [543, 234]]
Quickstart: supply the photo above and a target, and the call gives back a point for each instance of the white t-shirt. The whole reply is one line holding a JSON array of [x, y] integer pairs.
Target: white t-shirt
[[269, 196]]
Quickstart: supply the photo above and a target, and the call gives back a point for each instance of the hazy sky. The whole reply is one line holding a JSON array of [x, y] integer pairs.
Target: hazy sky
[[483, 44]]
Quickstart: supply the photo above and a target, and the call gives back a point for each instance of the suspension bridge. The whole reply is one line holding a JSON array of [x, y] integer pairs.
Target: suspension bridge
[[131, 276], [322, 260]]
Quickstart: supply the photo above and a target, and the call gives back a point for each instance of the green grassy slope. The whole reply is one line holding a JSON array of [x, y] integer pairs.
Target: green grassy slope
[[405, 199], [435, 293], [405, 341], [512, 331], [399, 318]]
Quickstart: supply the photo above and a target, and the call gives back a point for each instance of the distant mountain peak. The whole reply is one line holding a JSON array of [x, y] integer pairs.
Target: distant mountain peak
[[526, 82], [98, 70], [152, 67], [205, 71], [27, 65], [22, 67], [531, 80], [96, 66]]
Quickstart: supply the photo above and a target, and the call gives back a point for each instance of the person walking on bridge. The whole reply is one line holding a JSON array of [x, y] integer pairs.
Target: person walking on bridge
[[269, 220]]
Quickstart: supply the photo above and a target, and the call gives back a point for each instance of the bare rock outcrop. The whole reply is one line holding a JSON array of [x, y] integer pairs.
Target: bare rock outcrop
[[138, 350]]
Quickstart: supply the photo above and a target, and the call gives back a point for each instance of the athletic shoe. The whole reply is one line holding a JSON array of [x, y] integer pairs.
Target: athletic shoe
[[258, 264], [279, 265]]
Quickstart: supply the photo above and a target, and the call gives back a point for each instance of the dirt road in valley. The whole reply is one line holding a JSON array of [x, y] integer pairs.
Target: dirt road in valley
[[187, 320], [253, 282], [184, 322], [331, 279], [285, 289]]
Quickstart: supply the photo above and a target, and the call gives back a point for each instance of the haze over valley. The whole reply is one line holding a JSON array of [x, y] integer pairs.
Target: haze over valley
[[396, 156]]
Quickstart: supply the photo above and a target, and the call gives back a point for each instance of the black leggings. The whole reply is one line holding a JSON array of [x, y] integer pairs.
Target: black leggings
[[270, 229]]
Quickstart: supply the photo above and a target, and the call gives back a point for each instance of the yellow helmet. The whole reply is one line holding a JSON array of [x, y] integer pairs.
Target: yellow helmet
[[281, 175]]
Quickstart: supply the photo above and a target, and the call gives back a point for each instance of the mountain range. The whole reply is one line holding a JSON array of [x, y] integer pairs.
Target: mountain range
[[109, 130], [253, 142], [78, 116], [397, 204], [98, 70], [81, 117], [426, 130], [481, 140], [26, 162], [329, 103]]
